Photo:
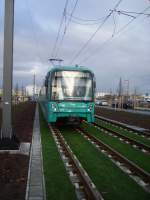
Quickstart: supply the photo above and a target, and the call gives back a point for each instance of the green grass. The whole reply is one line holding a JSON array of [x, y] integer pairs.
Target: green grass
[[131, 135], [108, 178], [58, 185], [135, 155]]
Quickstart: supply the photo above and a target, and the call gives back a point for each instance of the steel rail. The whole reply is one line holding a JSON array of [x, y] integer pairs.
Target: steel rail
[[85, 182], [142, 133], [130, 141], [133, 169]]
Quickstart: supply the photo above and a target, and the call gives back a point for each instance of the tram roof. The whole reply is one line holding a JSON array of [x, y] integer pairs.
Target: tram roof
[[69, 68]]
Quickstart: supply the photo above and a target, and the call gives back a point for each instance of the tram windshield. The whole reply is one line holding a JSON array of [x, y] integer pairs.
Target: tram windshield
[[72, 86]]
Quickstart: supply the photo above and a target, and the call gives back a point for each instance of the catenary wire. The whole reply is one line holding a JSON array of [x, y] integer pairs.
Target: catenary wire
[[85, 20], [93, 35], [115, 25], [59, 29], [86, 23], [66, 27], [119, 12], [118, 33], [137, 13], [125, 26]]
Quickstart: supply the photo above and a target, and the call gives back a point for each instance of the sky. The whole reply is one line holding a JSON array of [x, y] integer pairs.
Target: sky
[[125, 55]]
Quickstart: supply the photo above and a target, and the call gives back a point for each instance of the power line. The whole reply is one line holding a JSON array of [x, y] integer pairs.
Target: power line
[[89, 40], [125, 26], [137, 13], [73, 10], [101, 46], [115, 24], [119, 12], [66, 27], [85, 20], [87, 23], [107, 41], [93, 35], [59, 29], [118, 33]]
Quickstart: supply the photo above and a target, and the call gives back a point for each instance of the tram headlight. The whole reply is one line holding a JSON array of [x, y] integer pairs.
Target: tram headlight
[[54, 107], [90, 107]]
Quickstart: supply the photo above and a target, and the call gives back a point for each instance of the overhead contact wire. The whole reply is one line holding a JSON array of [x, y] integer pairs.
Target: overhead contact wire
[[59, 29], [66, 27], [87, 23], [85, 20], [118, 33], [125, 26], [131, 12], [93, 35]]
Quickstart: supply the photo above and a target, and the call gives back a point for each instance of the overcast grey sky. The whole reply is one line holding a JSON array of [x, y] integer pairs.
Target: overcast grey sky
[[127, 55]]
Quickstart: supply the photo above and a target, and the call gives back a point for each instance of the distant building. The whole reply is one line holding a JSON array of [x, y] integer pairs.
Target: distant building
[[101, 94], [30, 90]]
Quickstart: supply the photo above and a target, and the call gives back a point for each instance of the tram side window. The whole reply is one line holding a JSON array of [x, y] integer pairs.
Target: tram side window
[[48, 88], [46, 91]]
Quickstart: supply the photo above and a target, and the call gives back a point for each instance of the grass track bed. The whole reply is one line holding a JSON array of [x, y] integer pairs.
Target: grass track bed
[[108, 178], [126, 150], [58, 185], [131, 135]]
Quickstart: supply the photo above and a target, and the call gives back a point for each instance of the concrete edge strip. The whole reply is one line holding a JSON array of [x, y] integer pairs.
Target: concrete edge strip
[[29, 168], [30, 161], [24, 149]]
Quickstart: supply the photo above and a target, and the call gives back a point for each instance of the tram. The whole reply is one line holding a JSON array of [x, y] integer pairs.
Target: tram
[[68, 94]]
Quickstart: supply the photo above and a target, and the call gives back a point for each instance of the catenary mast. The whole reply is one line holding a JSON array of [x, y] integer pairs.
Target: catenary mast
[[6, 131]]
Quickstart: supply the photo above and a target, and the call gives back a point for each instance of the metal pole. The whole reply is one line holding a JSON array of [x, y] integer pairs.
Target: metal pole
[[6, 131], [34, 85]]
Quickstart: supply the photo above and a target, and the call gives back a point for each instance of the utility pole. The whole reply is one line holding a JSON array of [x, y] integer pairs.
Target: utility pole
[[126, 83], [134, 98], [120, 93], [34, 85], [6, 131], [126, 91], [22, 92]]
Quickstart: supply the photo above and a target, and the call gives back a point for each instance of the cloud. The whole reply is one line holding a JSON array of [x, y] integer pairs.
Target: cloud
[[36, 26]]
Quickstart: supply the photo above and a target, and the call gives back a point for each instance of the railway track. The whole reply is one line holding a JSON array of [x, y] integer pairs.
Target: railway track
[[144, 148], [85, 188], [141, 133], [135, 172]]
